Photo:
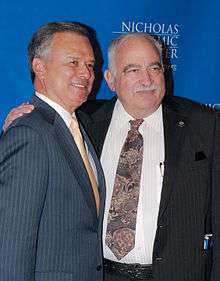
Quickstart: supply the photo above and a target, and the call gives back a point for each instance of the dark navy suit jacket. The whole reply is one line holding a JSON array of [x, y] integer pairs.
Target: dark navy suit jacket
[[49, 230]]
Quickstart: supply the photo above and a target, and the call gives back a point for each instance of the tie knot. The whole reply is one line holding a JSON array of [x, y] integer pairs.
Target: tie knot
[[135, 124]]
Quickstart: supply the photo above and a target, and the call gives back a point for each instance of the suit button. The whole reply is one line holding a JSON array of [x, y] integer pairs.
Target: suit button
[[161, 226], [159, 259], [99, 267]]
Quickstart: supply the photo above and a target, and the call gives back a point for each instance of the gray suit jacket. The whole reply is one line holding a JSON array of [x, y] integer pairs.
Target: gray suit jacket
[[190, 198], [49, 230]]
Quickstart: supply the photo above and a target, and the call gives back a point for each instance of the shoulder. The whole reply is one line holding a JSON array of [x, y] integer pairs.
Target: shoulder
[[37, 120], [91, 106], [96, 110], [187, 107], [199, 117], [32, 128]]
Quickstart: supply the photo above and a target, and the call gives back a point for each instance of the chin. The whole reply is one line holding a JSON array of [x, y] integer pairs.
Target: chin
[[80, 96], [83, 99], [147, 99]]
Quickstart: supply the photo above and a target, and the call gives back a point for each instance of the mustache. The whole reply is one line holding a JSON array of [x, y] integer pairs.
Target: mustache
[[141, 88]]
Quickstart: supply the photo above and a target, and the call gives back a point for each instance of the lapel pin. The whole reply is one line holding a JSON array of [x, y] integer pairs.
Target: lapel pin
[[181, 124]]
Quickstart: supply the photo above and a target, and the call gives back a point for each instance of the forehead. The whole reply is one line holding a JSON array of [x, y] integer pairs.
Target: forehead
[[136, 51], [71, 43]]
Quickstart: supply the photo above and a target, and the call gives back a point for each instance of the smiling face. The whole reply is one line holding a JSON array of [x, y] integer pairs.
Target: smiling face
[[138, 79], [66, 75]]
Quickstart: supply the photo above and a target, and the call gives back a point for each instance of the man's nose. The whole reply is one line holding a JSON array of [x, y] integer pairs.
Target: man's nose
[[146, 77], [84, 71]]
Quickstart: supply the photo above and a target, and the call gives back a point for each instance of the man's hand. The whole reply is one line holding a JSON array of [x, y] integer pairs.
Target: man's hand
[[17, 112]]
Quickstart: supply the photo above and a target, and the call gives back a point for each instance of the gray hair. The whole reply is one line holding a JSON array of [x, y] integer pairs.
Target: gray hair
[[112, 49], [41, 39]]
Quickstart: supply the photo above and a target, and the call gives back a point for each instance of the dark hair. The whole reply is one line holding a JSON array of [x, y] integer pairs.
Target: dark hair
[[41, 39]]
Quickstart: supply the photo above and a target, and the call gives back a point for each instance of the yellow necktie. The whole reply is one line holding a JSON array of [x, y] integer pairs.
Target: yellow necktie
[[75, 130]]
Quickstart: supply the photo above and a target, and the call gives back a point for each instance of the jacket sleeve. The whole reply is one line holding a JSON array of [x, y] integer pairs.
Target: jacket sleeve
[[23, 184]]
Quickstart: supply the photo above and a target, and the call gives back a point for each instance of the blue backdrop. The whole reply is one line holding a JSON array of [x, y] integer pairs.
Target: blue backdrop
[[191, 30]]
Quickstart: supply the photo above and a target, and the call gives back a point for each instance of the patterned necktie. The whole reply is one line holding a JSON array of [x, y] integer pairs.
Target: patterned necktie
[[75, 130], [121, 225]]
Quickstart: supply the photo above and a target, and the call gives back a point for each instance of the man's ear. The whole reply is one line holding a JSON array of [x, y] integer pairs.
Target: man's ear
[[38, 67], [110, 79]]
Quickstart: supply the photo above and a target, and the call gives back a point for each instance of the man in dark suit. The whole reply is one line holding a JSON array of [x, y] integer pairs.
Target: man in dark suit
[[51, 182], [177, 219]]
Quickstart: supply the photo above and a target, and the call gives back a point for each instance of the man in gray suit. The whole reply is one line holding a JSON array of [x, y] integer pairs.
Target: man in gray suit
[[51, 183]]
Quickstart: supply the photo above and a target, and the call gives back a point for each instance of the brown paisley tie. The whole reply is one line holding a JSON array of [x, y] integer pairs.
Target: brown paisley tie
[[121, 225]]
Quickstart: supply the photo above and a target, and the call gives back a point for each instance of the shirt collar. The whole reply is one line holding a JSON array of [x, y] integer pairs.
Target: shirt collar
[[64, 114], [155, 120]]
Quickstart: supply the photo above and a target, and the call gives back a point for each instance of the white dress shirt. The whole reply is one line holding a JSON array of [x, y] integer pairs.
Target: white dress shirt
[[151, 179]]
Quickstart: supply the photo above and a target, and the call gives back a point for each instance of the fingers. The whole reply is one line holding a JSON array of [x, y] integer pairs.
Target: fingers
[[17, 112], [23, 108], [9, 120]]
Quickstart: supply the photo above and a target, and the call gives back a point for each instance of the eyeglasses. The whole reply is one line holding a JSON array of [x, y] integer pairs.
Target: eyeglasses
[[152, 69]]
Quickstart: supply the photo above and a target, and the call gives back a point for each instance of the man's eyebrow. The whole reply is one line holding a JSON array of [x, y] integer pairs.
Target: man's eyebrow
[[155, 63], [72, 57], [131, 65], [78, 58]]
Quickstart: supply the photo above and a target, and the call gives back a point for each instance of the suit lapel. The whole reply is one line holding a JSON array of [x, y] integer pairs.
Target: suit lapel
[[68, 148], [100, 175], [175, 129]]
